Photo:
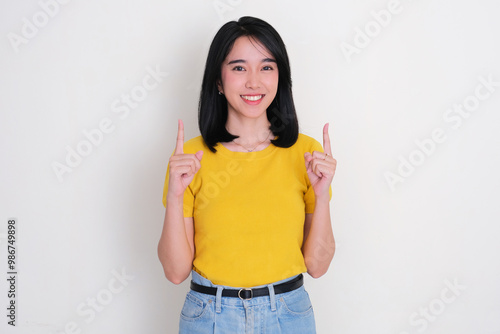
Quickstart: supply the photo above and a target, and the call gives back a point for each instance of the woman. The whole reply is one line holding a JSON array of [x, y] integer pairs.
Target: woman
[[247, 202]]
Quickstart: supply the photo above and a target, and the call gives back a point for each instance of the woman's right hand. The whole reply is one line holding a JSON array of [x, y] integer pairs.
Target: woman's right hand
[[183, 167]]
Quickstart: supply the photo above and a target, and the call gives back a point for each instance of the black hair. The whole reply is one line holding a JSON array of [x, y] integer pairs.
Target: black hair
[[212, 108]]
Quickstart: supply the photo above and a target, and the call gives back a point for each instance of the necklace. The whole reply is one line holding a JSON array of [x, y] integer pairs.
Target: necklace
[[251, 150]]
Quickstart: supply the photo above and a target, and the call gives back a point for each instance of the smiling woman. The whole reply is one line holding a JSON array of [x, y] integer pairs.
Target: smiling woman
[[242, 55], [247, 202], [249, 81]]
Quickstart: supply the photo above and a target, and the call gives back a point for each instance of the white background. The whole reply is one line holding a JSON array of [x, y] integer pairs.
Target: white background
[[398, 249]]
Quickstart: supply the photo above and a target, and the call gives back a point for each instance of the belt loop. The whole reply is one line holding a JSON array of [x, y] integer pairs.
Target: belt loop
[[218, 299], [272, 297]]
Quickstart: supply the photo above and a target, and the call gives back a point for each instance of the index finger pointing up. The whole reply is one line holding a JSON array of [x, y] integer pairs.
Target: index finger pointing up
[[179, 146], [326, 140]]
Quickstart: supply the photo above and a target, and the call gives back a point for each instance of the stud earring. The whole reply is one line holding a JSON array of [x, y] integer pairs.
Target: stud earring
[[220, 93]]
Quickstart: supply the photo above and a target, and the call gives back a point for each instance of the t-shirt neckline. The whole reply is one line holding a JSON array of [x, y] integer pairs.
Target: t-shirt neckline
[[245, 155]]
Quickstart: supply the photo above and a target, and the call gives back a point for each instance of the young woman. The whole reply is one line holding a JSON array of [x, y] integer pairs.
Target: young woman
[[247, 202]]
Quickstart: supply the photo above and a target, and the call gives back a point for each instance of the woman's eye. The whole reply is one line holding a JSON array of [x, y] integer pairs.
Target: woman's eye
[[267, 68], [238, 68]]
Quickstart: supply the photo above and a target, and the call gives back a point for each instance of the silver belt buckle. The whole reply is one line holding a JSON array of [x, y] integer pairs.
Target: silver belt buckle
[[251, 295]]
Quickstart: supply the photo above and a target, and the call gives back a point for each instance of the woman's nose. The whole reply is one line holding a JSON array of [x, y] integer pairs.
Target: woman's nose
[[253, 80]]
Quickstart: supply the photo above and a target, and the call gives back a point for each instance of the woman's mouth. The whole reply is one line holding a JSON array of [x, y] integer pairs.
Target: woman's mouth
[[252, 99]]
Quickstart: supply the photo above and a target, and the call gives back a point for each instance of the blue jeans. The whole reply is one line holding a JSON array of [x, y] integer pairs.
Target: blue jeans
[[285, 313]]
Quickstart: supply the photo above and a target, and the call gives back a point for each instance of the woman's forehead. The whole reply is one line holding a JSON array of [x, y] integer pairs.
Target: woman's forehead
[[248, 48]]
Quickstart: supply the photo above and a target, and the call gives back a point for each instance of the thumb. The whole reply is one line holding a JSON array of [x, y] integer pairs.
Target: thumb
[[199, 155], [307, 160]]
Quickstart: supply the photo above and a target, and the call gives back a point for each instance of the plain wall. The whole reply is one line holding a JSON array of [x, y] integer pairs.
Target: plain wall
[[402, 84]]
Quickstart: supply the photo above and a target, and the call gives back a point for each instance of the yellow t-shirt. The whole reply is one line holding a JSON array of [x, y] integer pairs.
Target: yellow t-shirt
[[249, 210]]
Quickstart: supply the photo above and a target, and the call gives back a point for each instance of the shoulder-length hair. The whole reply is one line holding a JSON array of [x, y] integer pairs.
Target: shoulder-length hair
[[212, 108]]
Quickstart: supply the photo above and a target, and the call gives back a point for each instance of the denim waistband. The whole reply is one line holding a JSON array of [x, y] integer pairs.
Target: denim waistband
[[219, 300], [197, 278]]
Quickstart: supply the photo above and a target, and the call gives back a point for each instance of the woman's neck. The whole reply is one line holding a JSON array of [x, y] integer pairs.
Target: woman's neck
[[250, 131], [253, 134]]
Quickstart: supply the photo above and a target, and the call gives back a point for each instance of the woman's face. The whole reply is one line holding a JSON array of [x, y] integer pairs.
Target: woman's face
[[249, 79]]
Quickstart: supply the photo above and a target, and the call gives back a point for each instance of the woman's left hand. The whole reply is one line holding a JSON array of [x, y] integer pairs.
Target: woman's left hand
[[321, 166]]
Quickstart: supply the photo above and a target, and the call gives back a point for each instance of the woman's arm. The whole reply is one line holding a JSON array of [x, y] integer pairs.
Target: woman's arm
[[318, 245], [176, 245]]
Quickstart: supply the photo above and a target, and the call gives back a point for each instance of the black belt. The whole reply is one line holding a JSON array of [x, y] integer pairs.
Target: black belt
[[246, 294]]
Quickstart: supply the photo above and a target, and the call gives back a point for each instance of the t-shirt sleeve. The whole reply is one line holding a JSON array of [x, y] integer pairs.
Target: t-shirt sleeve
[[309, 197], [188, 197]]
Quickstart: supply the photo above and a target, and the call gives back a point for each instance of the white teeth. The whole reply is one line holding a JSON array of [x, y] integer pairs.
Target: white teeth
[[252, 98]]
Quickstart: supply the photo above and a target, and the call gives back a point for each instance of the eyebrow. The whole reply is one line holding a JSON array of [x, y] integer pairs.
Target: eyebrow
[[265, 60]]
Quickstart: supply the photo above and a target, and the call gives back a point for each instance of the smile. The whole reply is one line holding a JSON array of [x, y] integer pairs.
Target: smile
[[252, 97]]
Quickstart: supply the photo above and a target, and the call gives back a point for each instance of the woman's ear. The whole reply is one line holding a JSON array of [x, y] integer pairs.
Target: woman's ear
[[219, 87]]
